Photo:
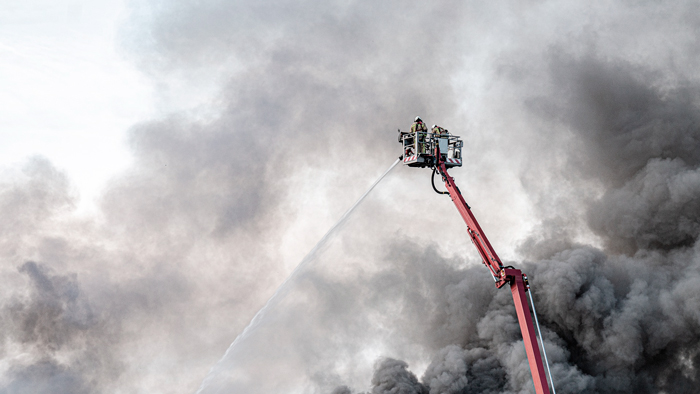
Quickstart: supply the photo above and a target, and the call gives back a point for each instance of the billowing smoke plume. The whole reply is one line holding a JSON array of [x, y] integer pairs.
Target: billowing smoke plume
[[624, 317], [391, 376], [580, 124]]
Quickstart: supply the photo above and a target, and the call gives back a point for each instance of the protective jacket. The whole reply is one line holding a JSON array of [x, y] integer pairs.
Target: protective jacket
[[420, 138], [439, 130], [418, 126]]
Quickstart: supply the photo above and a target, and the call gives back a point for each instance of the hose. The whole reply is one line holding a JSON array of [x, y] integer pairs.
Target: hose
[[432, 180], [544, 352]]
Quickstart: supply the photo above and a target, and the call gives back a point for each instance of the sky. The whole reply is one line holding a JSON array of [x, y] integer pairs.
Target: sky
[[165, 167], [68, 93]]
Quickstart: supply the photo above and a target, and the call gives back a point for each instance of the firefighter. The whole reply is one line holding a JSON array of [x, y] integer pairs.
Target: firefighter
[[439, 131], [419, 129]]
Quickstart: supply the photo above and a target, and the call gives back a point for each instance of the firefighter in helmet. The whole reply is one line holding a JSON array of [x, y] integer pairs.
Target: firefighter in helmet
[[419, 129], [438, 131]]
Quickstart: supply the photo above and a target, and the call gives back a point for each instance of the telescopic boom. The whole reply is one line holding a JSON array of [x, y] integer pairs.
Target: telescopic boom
[[444, 151], [503, 275]]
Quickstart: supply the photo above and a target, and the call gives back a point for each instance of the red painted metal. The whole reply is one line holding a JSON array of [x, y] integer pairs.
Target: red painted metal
[[501, 275], [488, 255], [518, 288]]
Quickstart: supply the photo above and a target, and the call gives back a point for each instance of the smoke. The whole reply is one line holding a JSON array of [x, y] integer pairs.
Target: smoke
[[623, 317], [580, 124], [61, 334], [392, 377], [456, 370]]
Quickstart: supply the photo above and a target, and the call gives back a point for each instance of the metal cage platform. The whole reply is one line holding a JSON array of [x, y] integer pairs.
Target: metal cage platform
[[420, 153]]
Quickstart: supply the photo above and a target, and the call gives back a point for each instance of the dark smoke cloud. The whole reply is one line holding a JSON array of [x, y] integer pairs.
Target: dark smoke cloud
[[656, 209], [56, 325], [627, 320], [456, 370], [55, 315], [392, 377], [580, 122], [637, 135]]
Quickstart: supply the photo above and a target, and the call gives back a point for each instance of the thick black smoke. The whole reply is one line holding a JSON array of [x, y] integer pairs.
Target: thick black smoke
[[391, 376]]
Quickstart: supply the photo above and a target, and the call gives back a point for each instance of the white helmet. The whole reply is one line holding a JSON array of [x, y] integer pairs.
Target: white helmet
[[418, 119], [434, 126]]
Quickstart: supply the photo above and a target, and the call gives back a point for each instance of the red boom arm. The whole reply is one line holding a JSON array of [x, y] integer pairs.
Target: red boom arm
[[514, 277]]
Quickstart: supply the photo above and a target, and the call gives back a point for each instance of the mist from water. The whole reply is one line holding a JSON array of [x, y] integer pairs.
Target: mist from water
[[218, 378]]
